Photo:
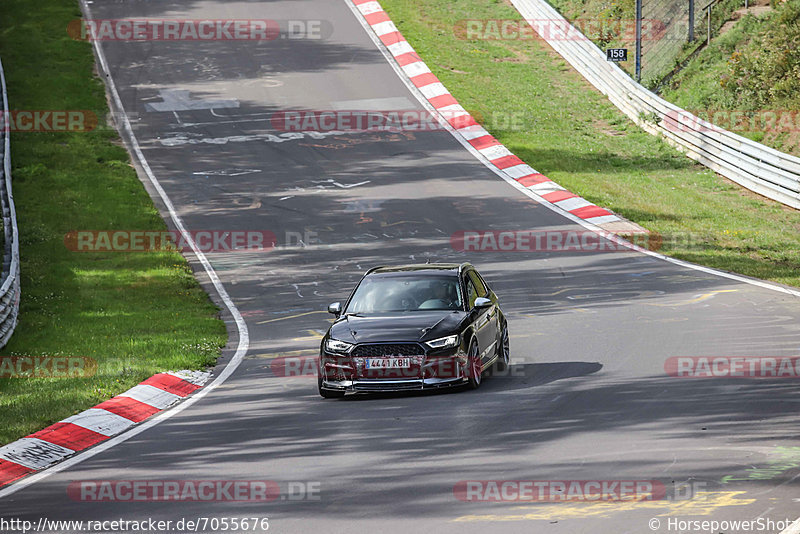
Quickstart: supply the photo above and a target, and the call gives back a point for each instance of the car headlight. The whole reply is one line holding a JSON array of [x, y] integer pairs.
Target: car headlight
[[443, 342], [334, 345]]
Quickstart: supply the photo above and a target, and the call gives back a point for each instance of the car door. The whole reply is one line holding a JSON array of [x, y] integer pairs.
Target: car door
[[485, 319], [491, 296]]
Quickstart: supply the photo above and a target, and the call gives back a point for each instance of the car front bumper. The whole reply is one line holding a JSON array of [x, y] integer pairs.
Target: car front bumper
[[431, 371], [380, 384]]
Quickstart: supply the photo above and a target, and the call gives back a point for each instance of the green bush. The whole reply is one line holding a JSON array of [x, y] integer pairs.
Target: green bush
[[766, 73]]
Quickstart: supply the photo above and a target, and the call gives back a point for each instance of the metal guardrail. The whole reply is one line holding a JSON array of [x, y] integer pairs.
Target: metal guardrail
[[707, 9], [10, 289], [757, 167]]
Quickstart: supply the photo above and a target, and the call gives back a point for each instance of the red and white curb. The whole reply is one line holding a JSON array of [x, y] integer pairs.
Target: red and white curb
[[74, 434], [498, 155]]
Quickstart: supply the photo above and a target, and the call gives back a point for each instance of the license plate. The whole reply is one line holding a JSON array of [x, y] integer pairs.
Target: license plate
[[388, 363]]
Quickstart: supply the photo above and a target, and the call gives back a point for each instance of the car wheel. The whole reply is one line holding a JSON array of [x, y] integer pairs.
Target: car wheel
[[503, 350], [475, 367], [329, 393]]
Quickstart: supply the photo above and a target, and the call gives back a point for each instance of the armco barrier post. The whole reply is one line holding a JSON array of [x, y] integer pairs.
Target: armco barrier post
[[9, 283], [638, 40]]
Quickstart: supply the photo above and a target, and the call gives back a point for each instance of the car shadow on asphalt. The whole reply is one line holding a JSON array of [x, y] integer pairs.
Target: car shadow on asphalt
[[516, 376]]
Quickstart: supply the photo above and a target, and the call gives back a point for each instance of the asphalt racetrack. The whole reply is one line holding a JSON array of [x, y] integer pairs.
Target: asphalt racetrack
[[588, 397]]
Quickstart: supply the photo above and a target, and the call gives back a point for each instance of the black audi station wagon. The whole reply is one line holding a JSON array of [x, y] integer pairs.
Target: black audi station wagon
[[413, 327]]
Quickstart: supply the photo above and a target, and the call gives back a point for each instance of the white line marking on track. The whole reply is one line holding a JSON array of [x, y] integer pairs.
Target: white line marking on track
[[241, 326], [180, 100], [228, 172]]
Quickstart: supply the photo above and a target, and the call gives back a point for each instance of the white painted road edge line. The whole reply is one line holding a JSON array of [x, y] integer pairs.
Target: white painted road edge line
[[241, 326], [524, 190]]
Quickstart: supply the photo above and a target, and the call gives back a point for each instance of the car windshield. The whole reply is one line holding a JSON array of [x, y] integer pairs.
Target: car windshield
[[378, 294]]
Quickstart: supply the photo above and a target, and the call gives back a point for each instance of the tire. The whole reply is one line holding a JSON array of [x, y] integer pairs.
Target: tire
[[503, 350], [329, 393], [474, 370]]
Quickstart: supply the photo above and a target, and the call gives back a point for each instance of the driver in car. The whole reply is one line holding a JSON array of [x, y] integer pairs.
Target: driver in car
[[440, 297]]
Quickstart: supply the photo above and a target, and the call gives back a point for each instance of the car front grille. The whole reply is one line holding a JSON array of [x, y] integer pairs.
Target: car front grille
[[387, 385], [384, 350]]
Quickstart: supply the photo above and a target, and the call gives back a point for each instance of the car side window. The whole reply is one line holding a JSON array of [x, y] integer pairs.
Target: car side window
[[479, 285], [472, 293], [486, 285]]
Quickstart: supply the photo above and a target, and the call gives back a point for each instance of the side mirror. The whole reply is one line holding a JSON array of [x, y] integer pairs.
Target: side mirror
[[482, 302], [335, 308]]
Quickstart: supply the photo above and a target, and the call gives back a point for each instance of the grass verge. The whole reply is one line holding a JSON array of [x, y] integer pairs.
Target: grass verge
[[545, 113], [134, 313]]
